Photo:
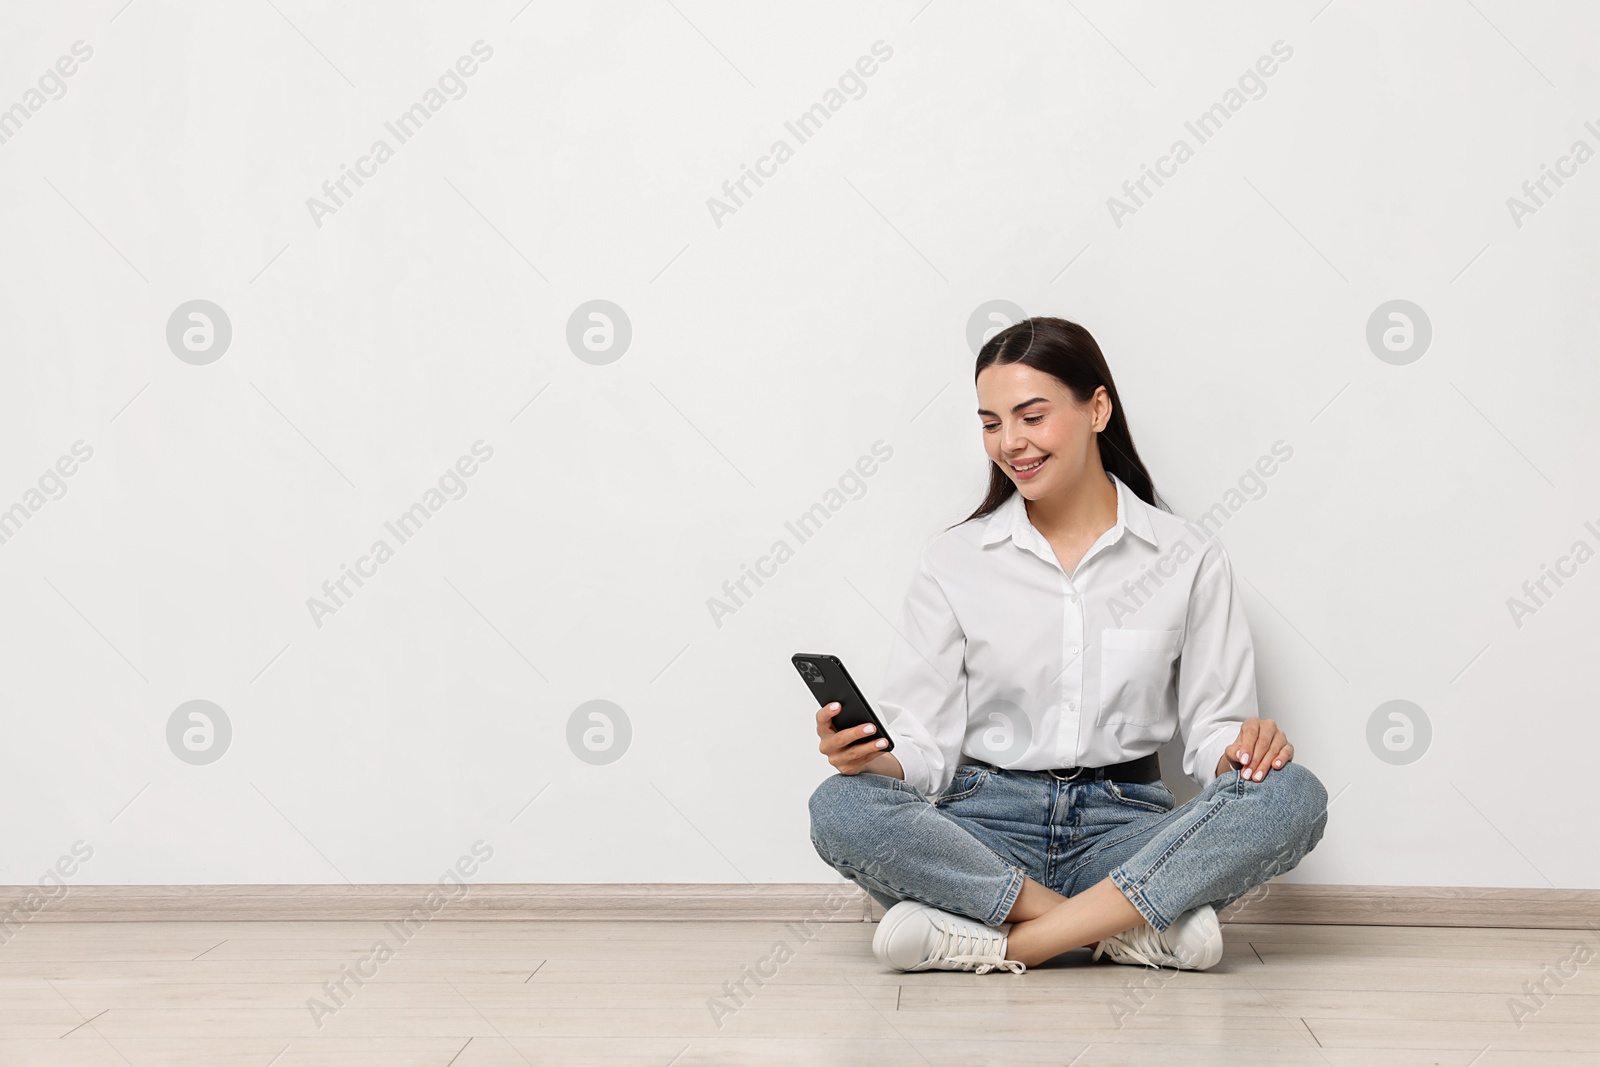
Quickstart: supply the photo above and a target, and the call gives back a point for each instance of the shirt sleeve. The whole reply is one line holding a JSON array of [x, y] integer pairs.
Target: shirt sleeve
[[1216, 668], [923, 700]]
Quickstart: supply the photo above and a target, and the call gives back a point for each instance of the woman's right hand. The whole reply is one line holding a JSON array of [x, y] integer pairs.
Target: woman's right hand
[[846, 751]]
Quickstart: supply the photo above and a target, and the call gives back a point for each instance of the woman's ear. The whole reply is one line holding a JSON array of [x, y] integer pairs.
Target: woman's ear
[[1099, 392]]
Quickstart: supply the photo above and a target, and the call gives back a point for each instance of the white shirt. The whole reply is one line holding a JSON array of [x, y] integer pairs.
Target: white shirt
[[1003, 656]]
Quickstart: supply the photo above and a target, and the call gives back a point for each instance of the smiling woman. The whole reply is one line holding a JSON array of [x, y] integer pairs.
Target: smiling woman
[[1029, 714]]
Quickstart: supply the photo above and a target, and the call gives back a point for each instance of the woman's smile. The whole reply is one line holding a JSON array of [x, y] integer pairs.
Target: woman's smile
[[1023, 471]]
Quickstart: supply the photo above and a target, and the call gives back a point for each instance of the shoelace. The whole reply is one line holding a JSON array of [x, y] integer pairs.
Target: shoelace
[[983, 949], [1138, 944]]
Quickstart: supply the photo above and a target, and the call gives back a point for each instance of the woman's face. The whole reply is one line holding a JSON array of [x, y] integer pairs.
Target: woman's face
[[1027, 415]]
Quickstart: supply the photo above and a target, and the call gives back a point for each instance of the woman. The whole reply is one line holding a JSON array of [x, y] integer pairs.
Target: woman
[[1049, 645]]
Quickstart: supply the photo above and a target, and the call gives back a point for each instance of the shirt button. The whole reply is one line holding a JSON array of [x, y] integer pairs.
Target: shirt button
[[1072, 598], [1072, 705], [1073, 650]]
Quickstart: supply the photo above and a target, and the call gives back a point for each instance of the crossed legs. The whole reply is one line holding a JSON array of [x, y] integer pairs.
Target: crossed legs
[[886, 837]]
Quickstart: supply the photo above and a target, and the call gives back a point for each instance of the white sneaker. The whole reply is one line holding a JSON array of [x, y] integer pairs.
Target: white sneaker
[[1192, 943], [920, 937]]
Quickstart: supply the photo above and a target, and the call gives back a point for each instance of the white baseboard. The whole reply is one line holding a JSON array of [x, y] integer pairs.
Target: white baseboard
[[781, 902]]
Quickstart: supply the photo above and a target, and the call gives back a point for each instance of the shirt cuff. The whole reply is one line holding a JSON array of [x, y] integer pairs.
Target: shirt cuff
[[1210, 754], [915, 766]]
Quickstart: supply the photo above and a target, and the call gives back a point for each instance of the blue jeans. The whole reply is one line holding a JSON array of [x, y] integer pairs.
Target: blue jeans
[[968, 850]]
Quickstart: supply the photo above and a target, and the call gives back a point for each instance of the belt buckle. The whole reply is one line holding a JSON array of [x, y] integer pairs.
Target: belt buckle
[[1077, 773]]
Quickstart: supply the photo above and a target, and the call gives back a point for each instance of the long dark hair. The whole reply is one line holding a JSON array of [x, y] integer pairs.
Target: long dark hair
[[1068, 353]]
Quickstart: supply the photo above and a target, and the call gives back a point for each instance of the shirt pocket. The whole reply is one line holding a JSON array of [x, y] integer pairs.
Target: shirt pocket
[[1136, 673]]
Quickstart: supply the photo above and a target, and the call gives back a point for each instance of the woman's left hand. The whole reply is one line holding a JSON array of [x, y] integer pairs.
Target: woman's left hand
[[1260, 749]]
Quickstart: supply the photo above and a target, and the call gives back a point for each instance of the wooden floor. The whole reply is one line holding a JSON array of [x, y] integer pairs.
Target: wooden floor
[[476, 993]]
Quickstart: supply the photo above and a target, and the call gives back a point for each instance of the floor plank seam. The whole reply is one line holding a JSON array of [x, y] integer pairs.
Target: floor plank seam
[[213, 948], [85, 1022]]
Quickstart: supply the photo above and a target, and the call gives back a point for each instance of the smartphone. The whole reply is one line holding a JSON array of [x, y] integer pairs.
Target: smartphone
[[828, 681]]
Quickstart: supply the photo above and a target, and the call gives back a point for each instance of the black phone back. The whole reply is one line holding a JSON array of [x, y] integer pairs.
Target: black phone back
[[828, 681]]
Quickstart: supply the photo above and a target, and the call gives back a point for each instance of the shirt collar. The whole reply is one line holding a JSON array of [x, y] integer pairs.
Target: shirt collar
[[1010, 518]]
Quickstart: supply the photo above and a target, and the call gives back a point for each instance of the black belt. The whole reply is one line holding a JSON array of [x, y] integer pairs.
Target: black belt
[[1146, 768]]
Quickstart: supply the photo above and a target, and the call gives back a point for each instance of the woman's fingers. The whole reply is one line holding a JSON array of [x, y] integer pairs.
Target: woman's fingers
[[857, 738], [1266, 733], [825, 716], [852, 758], [858, 762], [1278, 753], [845, 748], [1246, 741], [864, 739]]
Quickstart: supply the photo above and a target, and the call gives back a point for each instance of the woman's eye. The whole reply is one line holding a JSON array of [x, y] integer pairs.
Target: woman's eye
[[990, 427]]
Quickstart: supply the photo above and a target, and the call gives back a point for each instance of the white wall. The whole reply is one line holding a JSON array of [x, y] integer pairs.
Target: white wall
[[768, 354]]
